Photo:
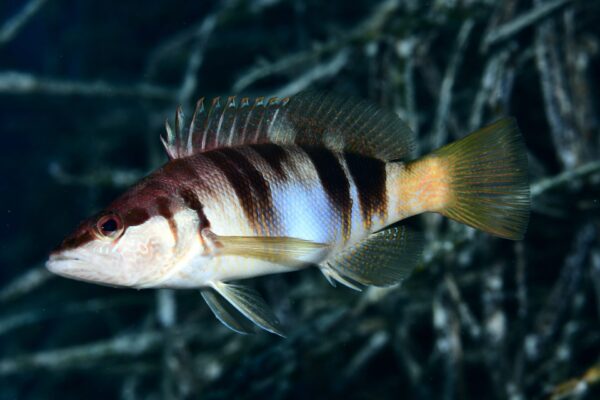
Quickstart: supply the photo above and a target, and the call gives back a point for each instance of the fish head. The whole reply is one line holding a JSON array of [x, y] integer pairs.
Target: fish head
[[138, 241]]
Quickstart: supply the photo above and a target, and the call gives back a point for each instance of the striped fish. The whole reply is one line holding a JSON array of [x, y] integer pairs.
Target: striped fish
[[268, 186]]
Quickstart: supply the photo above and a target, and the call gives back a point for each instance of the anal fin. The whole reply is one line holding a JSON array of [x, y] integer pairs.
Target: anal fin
[[384, 258], [333, 276]]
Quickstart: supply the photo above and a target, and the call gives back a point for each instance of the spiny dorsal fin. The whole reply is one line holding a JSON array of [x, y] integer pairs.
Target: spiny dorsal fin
[[311, 119]]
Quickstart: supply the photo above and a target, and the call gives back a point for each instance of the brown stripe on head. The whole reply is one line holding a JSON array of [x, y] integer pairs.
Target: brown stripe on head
[[249, 185], [163, 205], [369, 177], [274, 155], [135, 216], [81, 236], [334, 182], [191, 200]]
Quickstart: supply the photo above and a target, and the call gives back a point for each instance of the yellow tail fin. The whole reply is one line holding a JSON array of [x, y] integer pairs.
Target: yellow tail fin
[[488, 186]]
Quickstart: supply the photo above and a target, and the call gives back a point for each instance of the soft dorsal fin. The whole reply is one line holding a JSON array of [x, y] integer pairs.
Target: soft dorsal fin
[[308, 118]]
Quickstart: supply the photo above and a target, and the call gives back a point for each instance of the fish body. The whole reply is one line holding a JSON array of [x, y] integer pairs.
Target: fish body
[[271, 187]]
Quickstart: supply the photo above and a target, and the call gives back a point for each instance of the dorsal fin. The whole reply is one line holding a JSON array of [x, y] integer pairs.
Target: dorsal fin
[[308, 118]]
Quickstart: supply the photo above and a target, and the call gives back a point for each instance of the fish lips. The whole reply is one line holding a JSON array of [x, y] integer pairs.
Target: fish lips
[[71, 267]]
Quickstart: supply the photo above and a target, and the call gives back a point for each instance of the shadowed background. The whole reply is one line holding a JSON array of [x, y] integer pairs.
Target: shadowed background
[[85, 88]]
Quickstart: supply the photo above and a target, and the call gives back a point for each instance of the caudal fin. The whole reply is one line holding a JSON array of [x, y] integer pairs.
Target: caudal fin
[[487, 180]]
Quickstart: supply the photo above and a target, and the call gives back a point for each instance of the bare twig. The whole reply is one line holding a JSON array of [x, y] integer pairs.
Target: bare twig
[[369, 27], [445, 96], [12, 27], [595, 277], [112, 177], [448, 343], [196, 58], [320, 71], [557, 98], [178, 41], [492, 73], [573, 388], [521, 22], [564, 178], [24, 284], [12, 82], [373, 346], [548, 320], [405, 50], [466, 315], [22, 319], [127, 345]]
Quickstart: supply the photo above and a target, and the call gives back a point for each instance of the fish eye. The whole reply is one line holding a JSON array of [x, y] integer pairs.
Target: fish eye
[[109, 226]]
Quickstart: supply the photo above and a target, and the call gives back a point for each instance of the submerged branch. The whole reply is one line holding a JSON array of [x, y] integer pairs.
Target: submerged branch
[[12, 82], [320, 71], [369, 27], [577, 387], [23, 319], [99, 177], [445, 96], [24, 284], [12, 27], [128, 345], [564, 178], [190, 79], [521, 22]]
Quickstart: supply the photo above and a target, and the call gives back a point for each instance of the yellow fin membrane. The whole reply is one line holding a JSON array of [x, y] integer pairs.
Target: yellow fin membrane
[[488, 186], [282, 250]]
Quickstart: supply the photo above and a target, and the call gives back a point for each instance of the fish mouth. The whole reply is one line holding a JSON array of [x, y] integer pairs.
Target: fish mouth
[[61, 257], [71, 267], [65, 266]]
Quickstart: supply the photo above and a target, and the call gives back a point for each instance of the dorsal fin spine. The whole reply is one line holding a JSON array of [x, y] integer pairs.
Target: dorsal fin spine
[[198, 110], [207, 121], [231, 102], [274, 118], [170, 142], [218, 108], [261, 104], [178, 132], [251, 108], [232, 106], [220, 123]]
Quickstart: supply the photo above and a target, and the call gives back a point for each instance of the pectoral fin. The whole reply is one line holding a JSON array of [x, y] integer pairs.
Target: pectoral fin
[[280, 250], [248, 303]]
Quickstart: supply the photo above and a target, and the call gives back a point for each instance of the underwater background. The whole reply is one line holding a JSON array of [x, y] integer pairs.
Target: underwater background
[[85, 87]]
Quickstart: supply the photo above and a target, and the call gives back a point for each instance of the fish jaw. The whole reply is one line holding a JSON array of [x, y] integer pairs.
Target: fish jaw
[[70, 265]]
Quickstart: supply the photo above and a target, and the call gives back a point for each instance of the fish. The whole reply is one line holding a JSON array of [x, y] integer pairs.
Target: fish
[[314, 180]]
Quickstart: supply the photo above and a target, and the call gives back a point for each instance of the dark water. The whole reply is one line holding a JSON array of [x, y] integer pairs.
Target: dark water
[[84, 91]]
